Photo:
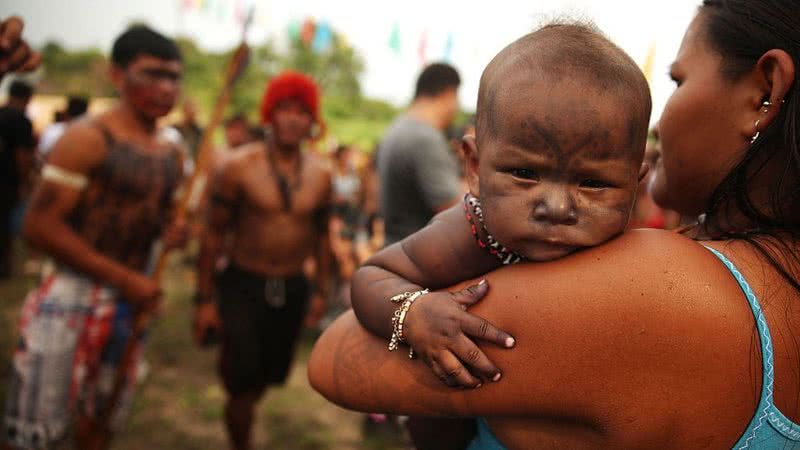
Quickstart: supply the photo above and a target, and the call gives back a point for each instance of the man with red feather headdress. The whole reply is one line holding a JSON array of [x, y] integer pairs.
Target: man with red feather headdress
[[271, 199]]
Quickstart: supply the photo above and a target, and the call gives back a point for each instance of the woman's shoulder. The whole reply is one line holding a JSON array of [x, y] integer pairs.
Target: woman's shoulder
[[648, 322], [647, 259], [646, 244], [638, 274]]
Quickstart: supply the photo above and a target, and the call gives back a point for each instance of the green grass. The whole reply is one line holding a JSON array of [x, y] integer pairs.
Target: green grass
[[180, 404]]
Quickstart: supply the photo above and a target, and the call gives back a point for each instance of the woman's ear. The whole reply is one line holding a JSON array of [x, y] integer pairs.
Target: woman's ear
[[775, 72], [469, 149]]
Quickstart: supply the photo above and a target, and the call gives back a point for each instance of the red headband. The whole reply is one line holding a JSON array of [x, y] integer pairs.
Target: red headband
[[294, 85]]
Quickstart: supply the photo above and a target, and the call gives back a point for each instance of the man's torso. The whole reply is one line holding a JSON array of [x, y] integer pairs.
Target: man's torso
[[128, 200], [270, 237]]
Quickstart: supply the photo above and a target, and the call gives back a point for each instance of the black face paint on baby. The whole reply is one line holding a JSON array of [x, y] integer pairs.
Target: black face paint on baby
[[559, 172], [561, 128]]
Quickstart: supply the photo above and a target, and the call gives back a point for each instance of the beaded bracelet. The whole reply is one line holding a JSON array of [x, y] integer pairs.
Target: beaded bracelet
[[406, 299]]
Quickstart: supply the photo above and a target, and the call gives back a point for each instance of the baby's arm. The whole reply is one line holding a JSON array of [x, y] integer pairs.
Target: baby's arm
[[440, 255]]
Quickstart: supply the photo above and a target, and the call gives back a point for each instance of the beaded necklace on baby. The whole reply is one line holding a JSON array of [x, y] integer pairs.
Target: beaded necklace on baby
[[472, 209]]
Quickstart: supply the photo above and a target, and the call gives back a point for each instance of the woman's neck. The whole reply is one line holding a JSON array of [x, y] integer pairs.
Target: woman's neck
[[770, 201]]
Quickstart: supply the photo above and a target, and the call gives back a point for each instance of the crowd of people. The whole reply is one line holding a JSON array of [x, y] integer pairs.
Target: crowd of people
[[505, 258], [100, 195]]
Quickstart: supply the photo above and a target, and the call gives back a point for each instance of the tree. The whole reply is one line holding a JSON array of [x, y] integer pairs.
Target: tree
[[81, 72], [349, 116]]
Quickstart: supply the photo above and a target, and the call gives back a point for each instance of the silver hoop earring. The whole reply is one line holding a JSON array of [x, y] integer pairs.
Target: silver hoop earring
[[758, 133]]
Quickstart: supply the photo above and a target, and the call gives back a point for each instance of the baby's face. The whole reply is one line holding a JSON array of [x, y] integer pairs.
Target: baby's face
[[558, 169]]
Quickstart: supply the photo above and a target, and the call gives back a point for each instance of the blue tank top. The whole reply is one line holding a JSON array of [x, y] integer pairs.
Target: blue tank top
[[769, 429]]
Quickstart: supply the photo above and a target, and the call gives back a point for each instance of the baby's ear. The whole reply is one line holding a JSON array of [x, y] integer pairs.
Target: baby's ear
[[469, 148], [643, 171]]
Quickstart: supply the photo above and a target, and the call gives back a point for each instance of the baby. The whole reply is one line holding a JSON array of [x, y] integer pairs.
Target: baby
[[553, 168]]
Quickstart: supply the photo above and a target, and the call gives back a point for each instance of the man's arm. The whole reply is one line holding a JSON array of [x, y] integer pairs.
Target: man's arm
[[76, 154], [15, 53], [222, 207]]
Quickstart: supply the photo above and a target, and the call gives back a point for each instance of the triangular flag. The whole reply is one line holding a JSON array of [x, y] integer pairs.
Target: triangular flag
[[322, 37], [394, 39], [294, 30], [448, 47], [307, 31]]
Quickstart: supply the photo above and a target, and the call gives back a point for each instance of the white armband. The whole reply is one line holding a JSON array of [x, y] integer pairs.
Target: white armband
[[64, 177]]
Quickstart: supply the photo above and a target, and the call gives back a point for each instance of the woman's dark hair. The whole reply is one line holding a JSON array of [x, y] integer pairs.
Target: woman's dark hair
[[741, 31]]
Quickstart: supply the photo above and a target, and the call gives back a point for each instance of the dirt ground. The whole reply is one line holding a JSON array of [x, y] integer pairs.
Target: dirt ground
[[180, 404]]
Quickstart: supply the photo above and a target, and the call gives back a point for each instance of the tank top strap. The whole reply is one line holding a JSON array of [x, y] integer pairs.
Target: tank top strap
[[758, 433], [107, 136], [484, 438]]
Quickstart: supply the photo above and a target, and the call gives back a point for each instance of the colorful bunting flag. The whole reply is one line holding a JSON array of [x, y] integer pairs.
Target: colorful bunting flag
[[394, 39], [294, 30], [448, 48], [307, 31], [323, 36]]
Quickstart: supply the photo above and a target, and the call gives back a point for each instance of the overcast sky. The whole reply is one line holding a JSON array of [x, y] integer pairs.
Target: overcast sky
[[478, 30]]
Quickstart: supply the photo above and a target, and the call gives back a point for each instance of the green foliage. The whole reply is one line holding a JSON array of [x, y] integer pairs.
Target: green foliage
[[204, 76], [82, 72], [336, 70], [360, 122], [349, 116]]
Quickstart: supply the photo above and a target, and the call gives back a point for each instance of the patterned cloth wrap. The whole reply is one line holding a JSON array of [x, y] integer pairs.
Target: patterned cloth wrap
[[72, 335]]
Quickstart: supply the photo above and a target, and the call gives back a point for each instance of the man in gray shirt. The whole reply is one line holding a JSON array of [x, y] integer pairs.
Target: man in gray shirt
[[418, 172]]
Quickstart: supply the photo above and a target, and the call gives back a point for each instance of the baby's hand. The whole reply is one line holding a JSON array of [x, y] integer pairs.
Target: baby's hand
[[436, 327]]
